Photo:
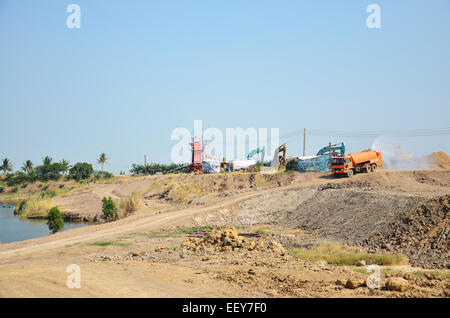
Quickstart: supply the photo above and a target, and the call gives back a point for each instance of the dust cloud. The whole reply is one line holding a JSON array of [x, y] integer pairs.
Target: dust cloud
[[396, 158]]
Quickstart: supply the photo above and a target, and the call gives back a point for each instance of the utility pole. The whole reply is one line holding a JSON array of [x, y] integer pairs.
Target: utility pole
[[304, 142], [145, 164]]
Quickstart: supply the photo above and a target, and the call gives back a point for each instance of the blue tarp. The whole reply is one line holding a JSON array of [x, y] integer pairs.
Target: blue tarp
[[318, 164]]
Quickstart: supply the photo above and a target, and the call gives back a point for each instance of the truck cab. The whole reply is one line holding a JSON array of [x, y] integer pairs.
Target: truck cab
[[341, 164]]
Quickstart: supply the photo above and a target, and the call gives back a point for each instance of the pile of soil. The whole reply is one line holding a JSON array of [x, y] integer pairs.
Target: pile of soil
[[400, 212], [229, 240], [440, 160], [423, 234]]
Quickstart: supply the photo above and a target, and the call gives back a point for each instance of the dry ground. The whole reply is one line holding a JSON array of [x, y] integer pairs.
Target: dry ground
[[131, 258]]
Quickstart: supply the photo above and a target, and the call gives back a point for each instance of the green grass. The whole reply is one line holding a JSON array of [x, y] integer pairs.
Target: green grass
[[108, 244], [441, 273], [179, 232], [261, 232], [338, 254], [194, 229], [155, 234]]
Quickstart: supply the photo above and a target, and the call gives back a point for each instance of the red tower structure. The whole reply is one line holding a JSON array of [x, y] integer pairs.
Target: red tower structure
[[196, 145]]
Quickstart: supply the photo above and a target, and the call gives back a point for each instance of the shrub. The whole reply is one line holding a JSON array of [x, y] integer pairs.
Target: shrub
[[107, 175], [61, 186], [2, 189], [15, 189], [55, 220], [16, 179], [132, 203], [21, 207], [109, 209], [48, 194], [81, 170], [45, 188]]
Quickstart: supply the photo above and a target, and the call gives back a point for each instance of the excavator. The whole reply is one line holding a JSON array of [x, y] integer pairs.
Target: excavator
[[260, 150], [282, 157], [333, 150], [279, 160]]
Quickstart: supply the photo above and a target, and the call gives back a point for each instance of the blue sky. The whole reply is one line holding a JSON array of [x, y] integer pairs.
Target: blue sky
[[138, 69]]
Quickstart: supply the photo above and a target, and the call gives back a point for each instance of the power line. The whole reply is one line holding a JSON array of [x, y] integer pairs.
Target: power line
[[372, 133], [356, 134]]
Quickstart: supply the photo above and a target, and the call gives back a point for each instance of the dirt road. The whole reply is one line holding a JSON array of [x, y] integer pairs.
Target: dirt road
[[123, 259]]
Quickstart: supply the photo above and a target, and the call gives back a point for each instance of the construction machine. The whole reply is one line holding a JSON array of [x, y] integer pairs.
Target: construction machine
[[282, 157], [364, 161], [260, 150], [332, 150]]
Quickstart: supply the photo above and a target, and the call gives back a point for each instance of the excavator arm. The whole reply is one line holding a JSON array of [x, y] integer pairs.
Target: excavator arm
[[261, 150], [334, 149]]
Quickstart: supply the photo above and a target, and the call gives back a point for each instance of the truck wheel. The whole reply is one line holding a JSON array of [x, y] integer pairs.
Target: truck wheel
[[350, 172], [374, 167], [369, 168]]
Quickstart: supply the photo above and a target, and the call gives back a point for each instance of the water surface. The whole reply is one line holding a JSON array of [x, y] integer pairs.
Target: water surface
[[13, 229]]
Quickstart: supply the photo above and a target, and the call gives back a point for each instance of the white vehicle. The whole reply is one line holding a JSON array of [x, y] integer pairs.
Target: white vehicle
[[242, 164]]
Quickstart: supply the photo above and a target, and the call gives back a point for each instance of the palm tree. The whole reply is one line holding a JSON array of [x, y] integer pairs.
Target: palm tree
[[102, 160], [47, 160], [64, 166], [27, 166], [6, 166]]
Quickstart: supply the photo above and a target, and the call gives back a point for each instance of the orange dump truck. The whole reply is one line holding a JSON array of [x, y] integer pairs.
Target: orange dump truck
[[364, 161]]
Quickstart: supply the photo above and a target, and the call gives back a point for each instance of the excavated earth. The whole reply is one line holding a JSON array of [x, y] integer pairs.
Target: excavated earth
[[405, 212]]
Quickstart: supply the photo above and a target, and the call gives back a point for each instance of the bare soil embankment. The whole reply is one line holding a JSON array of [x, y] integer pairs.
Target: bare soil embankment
[[403, 212]]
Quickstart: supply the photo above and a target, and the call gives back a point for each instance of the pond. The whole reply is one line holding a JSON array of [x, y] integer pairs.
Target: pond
[[13, 228]]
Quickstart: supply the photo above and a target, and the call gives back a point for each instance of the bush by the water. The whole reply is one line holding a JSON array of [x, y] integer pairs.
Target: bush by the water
[[21, 207], [109, 209], [55, 220]]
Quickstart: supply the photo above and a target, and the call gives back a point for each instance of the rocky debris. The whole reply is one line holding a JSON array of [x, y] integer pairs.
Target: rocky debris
[[141, 256], [228, 240], [422, 233], [397, 284], [428, 180], [361, 263], [353, 283], [347, 185]]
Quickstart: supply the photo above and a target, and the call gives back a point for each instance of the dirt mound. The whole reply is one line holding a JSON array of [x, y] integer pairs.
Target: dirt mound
[[198, 189], [345, 215], [423, 233], [349, 184], [229, 240], [440, 160]]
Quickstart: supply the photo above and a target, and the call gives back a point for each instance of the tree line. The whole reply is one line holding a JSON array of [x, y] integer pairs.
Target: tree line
[[50, 170], [154, 168]]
